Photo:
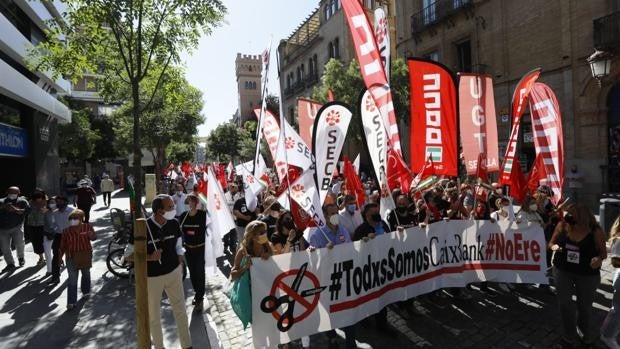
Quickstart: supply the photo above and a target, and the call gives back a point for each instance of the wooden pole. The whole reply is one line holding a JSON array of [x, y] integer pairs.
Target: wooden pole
[[142, 309]]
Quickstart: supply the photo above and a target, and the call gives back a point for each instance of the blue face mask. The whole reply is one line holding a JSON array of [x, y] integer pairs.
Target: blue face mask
[[351, 208]]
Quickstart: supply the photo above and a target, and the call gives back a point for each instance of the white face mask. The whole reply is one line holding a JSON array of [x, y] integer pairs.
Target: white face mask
[[74, 222], [533, 207], [334, 219], [169, 215], [179, 193], [52, 206], [12, 196]]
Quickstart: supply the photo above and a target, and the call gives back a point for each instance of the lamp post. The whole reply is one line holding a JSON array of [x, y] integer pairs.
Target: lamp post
[[600, 63]]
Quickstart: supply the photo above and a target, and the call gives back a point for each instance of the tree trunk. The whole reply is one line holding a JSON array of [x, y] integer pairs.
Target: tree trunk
[[158, 169], [137, 149]]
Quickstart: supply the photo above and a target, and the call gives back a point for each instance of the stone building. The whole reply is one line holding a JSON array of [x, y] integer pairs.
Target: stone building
[[506, 39], [248, 69]]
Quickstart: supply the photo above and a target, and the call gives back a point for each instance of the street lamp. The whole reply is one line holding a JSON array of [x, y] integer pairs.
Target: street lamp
[[600, 63]]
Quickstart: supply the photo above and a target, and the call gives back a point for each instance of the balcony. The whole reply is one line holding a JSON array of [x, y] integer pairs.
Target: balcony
[[436, 12], [607, 31], [300, 85]]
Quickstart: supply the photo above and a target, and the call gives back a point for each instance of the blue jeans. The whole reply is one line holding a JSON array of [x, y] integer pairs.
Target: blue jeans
[[72, 281]]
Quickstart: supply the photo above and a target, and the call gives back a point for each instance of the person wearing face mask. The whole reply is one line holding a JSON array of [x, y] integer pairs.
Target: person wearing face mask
[[401, 216], [373, 225], [179, 198], [287, 237], [193, 225], [164, 274], [35, 220], [49, 234], [254, 244], [579, 249], [502, 209], [271, 213], [13, 210], [75, 244], [528, 212], [60, 219], [328, 236], [350, 217]]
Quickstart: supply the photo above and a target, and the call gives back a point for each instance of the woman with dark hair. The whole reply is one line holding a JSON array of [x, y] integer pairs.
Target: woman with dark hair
[[578, 243], [287, 237], [481, 211]]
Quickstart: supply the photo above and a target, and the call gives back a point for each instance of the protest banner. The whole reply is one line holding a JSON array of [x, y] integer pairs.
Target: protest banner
[[298, 294]]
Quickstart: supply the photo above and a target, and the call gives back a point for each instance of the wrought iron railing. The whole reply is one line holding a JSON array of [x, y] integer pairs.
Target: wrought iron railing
[[435, 12], [607, 31]]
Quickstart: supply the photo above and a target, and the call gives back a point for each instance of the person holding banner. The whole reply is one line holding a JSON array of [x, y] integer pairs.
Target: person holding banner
[[329, 236], [579, 249], [350, 217], [287, 237], [401, 216], [271, 212], [243, 216]]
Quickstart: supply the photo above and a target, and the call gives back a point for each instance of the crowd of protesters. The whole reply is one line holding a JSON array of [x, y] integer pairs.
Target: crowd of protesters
[[576, 246]]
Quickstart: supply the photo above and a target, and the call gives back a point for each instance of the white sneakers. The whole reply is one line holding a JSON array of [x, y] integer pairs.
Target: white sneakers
[[611, 343]]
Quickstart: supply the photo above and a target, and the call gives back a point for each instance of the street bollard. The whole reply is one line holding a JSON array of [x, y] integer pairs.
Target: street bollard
[[142, 309]]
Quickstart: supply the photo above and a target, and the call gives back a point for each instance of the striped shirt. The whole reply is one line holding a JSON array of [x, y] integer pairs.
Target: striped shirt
[[77, 238]]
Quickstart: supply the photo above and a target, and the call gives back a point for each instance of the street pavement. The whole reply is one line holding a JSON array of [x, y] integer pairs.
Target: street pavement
[[33, 313]]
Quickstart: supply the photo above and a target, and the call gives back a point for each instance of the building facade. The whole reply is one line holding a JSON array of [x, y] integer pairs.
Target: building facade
[[248, 69], [29, 108], [506, 39]]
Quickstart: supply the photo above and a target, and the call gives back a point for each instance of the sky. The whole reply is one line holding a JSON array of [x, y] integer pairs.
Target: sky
[[248, 28]]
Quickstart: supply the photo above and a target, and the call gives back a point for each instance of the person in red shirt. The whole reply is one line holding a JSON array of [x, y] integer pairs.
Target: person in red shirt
[[75, 244]]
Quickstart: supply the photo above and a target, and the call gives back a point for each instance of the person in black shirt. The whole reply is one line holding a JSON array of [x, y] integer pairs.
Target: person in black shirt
[[401, 216], [243, 216], [287, 237], [164, 258], [271, 212], [194, 228]]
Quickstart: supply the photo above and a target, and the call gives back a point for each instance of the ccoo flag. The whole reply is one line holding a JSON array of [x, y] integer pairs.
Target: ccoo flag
[[433, 116]]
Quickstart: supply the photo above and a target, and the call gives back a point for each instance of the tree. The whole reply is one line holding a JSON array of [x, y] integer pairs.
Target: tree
[[122, 40], [225, 141], [77, 140], [169, 124]]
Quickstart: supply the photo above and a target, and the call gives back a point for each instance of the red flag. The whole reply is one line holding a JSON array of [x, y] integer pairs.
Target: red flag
[[537, 172], [481, 169], [427, 171], [221, 175], [518, 188], [307, 110], [201, 188], [353, 182], [399, 174], [433, 116], [519, 102], [186, 168], [330, 95], [548, 136]]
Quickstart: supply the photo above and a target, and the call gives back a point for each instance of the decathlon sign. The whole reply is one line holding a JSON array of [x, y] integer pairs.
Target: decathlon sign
[[13, 141]]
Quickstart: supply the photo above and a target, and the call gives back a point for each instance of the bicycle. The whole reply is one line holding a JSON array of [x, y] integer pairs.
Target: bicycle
[[118, 265], [123, 228]]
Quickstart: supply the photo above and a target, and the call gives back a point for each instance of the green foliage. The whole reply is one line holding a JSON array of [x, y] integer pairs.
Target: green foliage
[[273, 104], [228, 142], [77, 140], [347, 85], [179, 152]]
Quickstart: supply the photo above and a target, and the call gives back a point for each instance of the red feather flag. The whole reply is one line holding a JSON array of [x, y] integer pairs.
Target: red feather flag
[[518, 189], [353, 182]]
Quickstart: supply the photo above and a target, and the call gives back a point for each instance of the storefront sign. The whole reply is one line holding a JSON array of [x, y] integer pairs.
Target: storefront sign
[[13, 141]]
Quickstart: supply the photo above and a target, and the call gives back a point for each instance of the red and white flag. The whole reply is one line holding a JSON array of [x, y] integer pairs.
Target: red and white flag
[[519, 102], [376, 139], [548, 136], [371, 66], [305, 193], [478, 127], [382, 35], [252, 186], [231, 171], [271, 132], [220, 217], [433, 116], [307, 110], [293, 150], [330, 131]]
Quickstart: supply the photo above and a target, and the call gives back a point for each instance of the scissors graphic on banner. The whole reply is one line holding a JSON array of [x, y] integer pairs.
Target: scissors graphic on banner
[[271, 303]]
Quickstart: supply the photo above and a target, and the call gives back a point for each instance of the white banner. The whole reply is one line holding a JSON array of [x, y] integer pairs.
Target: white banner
[[219, 219], [252, 186], [382, 35], [330, 130], [305, 193], [377, 138], [299, 294], [297, 152], [271, 132]]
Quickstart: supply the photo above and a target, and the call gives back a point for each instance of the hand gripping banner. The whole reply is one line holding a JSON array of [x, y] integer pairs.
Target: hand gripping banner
[[330, 130], [519, 102], [299, 294], [478, 125], [548, 136], [433, 116]]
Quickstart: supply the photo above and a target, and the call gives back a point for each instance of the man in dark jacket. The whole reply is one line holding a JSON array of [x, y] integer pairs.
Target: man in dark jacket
[[13, 209]]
